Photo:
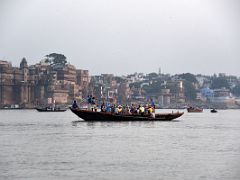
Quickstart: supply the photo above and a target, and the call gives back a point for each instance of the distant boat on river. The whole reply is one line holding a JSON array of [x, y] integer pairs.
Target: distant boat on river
[[49, 109], [194, 109], [213, 111]]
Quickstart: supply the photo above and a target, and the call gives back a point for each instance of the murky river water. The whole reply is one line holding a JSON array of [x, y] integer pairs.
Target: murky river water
[[36, 145]]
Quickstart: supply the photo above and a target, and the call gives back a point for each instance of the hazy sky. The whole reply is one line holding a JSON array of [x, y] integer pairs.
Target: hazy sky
[[125, 36]]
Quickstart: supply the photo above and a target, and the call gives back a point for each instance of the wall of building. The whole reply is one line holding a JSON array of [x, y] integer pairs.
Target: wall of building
[[32, 86]]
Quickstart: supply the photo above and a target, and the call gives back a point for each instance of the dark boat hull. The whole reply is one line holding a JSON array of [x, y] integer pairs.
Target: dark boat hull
[[50, 110], [213, 111], [102, 116]]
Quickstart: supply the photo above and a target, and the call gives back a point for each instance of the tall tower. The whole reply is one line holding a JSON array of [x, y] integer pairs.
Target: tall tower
[[24, 68], [159, 71], [24, 87]]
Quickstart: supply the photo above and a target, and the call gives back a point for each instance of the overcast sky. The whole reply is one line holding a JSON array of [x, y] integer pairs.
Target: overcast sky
[[125, 36]]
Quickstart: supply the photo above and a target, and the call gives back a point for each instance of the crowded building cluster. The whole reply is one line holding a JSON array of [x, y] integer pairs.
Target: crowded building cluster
[[54, 80]]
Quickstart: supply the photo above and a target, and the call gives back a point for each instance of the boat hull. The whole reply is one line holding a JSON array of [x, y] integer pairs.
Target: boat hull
[[213, 111], [194, 110], [50, 110], [87, 115]]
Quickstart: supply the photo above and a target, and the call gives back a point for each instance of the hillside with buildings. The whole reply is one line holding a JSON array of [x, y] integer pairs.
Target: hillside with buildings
[[55, 80], [42, 83]]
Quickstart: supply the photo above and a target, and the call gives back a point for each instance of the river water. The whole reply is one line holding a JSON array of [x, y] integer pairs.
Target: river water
[[40, 145]]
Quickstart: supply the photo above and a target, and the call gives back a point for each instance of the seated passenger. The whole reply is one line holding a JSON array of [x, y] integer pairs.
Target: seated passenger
[[132, 109], [120, 110], [113, 109], [127, 111], [109, 108], [150, 109], [103, 108], [116, 110], [74, 105], [141, 110]]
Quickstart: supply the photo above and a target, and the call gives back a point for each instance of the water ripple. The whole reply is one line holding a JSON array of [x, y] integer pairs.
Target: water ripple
[[60, 146]]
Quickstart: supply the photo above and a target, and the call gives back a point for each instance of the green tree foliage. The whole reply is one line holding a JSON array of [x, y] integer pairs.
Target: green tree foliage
[[188, 84], [153, 88], [172, 87], [135, 85], [119, 79], [189, 90], [152, 75], [55, 58], [236, 90], [188, 77], [219, 82]]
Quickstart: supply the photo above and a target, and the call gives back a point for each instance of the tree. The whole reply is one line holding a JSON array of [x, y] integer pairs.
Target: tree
[[188, 77], [172, 87], [189, 90], [236, 90], [153, 88], [152, 75], [135, 85], [55, 58], [219, 82], [119, 79]]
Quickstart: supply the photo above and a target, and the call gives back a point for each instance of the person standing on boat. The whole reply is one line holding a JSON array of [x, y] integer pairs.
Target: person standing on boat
[[89, 99], [152, 104], [91, 102]]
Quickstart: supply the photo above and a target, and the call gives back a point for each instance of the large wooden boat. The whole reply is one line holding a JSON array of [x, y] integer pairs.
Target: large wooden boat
[[88, 115], [194, 109]]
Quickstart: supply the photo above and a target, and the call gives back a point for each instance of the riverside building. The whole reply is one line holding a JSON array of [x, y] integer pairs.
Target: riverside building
[[30, 86]]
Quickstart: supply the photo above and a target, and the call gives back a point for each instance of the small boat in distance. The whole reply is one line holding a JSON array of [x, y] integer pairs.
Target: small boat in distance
[[194, 109], [88, 115], [213, 111], [49, 109]]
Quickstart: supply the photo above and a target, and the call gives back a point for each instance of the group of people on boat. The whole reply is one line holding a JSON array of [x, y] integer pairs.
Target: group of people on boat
[[148, 109], [125, 110]]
